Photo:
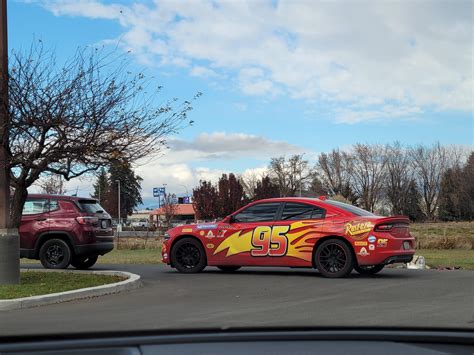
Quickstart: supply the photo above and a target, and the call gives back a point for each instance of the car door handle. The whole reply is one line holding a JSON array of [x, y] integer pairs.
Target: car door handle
[[40, 219]]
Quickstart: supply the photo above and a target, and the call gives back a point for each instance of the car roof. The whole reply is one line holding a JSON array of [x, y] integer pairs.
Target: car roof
[[60, 197], [291, 199]]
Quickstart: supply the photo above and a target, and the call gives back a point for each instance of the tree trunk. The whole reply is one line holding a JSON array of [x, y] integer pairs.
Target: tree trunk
[[10, 241], [18, 200]]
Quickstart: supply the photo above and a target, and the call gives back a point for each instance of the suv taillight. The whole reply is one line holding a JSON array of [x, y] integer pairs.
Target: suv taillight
[[87, 220]]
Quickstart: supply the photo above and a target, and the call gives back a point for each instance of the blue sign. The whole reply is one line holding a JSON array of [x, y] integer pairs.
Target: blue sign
[[186, 199], [158, 191]]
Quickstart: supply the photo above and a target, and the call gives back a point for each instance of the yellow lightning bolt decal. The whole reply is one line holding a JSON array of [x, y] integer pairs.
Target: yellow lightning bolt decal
[[236, 243]]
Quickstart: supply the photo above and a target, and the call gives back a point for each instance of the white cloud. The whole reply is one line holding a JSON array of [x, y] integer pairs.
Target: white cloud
[[413, 54], [203, 72], [222, 145]]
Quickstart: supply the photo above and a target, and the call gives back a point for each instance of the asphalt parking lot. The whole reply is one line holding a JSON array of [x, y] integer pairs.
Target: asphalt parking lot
[[260, 297]]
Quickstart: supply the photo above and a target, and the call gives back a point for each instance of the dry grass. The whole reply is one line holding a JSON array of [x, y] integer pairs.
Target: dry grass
[[136, 243], [444, 235]]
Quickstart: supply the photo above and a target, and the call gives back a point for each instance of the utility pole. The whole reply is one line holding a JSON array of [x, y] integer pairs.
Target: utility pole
[[301, 168], [9, 240], [119, 224]]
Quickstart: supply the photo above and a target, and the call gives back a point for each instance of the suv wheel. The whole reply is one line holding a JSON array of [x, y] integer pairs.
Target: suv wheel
[[84, 262], [55, 254]]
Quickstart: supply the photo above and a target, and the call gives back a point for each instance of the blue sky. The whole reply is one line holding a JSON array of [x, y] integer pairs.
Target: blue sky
[[278, 77]]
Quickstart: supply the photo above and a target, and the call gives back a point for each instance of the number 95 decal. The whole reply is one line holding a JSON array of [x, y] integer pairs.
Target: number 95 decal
[[270, 241]]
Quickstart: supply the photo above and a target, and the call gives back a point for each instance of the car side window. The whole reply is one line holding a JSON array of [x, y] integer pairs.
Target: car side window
[[297, 211], [261, 212], [53, 205], [35, 206]]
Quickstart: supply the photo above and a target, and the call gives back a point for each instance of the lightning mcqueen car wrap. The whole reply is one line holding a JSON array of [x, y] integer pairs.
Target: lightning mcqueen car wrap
[[331, 236]]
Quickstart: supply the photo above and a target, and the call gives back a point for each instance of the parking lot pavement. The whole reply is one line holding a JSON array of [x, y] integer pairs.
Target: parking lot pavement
[[260, 297]]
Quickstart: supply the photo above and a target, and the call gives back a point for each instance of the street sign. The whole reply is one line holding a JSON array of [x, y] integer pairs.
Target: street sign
[[158, 191]]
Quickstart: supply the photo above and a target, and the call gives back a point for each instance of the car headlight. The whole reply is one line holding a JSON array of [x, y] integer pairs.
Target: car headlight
[[167, 236]]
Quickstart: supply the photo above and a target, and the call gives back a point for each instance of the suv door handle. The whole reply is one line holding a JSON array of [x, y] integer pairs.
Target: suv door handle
[[40, 219]]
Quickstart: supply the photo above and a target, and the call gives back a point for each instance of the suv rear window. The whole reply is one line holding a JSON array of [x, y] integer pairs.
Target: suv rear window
[[91, 206], [349, 208]]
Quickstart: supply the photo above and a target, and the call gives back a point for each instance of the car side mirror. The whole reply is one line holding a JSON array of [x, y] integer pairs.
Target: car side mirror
[[231, 219]]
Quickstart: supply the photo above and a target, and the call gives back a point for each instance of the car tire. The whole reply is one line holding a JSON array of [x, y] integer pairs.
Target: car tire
[[334, 258], [229, 268], [188, 256], [84, 262], [368, 269], [55, 254]]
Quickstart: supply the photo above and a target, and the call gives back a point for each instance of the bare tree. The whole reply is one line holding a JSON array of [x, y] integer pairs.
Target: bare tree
[[52, 185], [430, 164], [289, 175], [249, 181], [72, 120], [334, 169], [368, 171], [399, 177], [169, 208]]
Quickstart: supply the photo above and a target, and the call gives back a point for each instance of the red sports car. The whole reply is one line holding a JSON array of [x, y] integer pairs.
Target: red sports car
[[330, 236]]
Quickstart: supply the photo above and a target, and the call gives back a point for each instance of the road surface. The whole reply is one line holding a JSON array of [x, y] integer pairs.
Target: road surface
[[260, 297]]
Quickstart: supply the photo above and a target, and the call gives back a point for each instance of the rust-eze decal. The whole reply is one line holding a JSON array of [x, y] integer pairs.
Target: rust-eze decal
[[358, 230]]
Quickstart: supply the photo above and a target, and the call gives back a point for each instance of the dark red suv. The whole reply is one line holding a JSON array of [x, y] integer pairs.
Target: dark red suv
[[63, 230]]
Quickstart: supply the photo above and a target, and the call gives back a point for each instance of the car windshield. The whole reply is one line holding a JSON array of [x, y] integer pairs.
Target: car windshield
[[350, 208], [176, 165]]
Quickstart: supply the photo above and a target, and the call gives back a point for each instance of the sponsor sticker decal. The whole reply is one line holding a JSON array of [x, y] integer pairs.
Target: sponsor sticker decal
[[371, 239], [360, 243], [221, 233], [371, 247], [363, 252], [209, 246], [358, 230], [210, 235], [186, 230], [382, 242], [206, 226], [201, 233]]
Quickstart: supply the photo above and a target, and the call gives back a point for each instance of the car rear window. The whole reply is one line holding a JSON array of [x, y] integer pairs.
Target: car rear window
[[349, 208], [91, 206]]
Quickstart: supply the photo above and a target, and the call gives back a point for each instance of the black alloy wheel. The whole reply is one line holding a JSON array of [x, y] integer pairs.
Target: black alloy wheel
[[84, 262], [333, 258], [368, 269], [55, 254], [188, 256], [229, 268]]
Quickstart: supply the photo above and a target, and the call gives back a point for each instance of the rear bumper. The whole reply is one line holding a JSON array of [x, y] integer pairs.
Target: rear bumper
[[94, 249], [405, 258]]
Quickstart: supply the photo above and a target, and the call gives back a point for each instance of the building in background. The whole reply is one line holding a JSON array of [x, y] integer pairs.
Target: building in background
[[184, 214]]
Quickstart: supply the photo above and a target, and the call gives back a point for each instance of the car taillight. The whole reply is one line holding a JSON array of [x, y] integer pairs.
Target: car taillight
[[87, 220], [383, 228]]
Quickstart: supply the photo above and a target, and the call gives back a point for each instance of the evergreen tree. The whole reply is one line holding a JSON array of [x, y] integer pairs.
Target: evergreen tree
[[130, 189], [101, 186], [412, 205], [266, 189]]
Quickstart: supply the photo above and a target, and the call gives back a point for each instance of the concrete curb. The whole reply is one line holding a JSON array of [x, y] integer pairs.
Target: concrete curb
[[132, 282]]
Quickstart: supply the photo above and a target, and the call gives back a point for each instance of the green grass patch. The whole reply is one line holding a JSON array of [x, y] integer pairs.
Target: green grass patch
[[33, 283], [136, 256], [448, 258]]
